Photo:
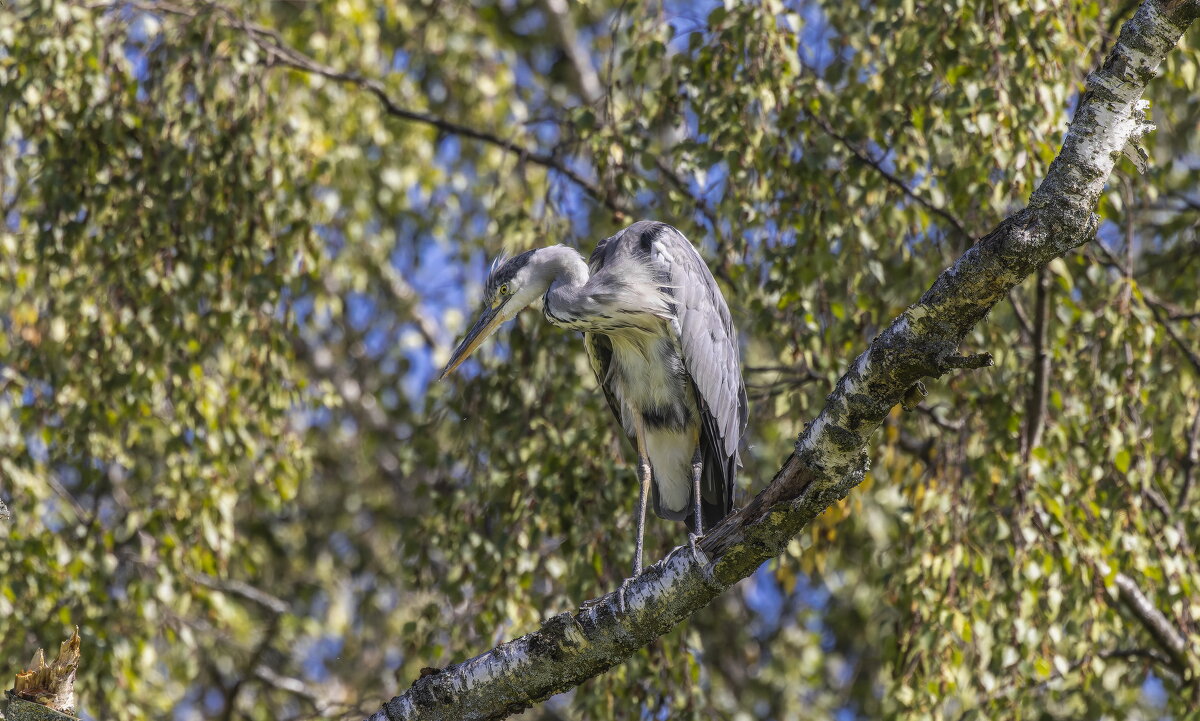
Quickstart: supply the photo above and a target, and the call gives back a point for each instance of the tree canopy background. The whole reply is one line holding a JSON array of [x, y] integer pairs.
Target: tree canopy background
[[238, 239]]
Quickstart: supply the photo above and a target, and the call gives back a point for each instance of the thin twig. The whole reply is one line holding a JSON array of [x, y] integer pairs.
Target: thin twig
[[1019, 313], [1157, 307], [867, 160], [1191, 461], [281, 55], [233, 587]]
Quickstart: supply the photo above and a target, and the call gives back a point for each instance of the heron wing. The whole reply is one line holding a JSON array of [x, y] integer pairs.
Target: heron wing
[[599, 350], [707, 342], [709, 347]]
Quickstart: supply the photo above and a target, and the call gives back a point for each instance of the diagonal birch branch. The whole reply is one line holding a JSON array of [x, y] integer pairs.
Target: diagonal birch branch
[[830, 456]]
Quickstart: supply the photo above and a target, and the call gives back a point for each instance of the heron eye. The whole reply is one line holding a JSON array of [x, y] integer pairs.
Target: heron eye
[[504, 289]]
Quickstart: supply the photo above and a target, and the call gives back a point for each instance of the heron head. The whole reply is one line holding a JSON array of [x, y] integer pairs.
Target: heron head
[[512, 285]]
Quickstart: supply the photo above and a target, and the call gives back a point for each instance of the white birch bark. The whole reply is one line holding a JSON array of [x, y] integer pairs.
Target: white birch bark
[[830, 456]]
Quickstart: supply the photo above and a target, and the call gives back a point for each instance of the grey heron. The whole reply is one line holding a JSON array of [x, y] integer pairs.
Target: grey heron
[[664, 350]]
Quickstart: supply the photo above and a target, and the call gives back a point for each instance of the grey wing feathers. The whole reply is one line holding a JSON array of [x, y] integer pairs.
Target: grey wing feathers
[[707, 336], [706, 333], [599, 350], [710, 353]]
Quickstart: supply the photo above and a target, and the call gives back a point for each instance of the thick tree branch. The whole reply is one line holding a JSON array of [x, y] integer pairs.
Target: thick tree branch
[[829, 458]]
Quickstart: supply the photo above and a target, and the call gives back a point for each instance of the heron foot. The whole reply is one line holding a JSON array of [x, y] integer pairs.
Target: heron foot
[[621, 595], [693, 539]]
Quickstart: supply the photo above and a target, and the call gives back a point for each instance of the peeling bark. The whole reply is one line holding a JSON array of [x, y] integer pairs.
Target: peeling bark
[[830, 456]]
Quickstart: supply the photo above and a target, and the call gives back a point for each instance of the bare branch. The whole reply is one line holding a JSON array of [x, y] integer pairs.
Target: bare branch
[[1019, 312], [1190, 462], [867, 160], [1158, 308], [233, 587], [1035, 406], [1165, 632], [581, 61]]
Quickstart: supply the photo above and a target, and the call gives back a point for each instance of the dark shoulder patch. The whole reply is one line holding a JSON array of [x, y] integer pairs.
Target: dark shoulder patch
[[646, 239], [599, 256], [646, 231], [638, 239]]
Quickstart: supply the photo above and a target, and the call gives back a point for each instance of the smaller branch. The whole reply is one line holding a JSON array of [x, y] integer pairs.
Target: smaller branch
[[559, 15], [954, 426], [1191, 461], [1130, 236], [255, 659], [294, 686], [1157, 307], [1164, 632], [611, 69], [974, 361], [233, 587], [403, 292], [788, 379], [1121, 654], [891, 178], [1019, 312], [1035, 406], [1146, 653], [701, 205], [1160, 314], [81, 514], [291, 58], [1188, 202], [723, 244], [1160, 504], [18, 193], [920, 448]]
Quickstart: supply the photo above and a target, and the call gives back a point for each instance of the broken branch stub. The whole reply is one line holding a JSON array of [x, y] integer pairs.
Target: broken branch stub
[[50, 686]]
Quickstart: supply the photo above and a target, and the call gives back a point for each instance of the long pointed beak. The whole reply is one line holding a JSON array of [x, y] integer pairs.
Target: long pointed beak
[[487, 323]]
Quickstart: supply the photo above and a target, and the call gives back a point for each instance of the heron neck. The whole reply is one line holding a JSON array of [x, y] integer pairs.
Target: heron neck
[[566, 295], [566, 267]]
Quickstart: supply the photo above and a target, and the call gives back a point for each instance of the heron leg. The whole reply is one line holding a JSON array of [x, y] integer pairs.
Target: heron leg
[[644, 477], [697, 467]]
